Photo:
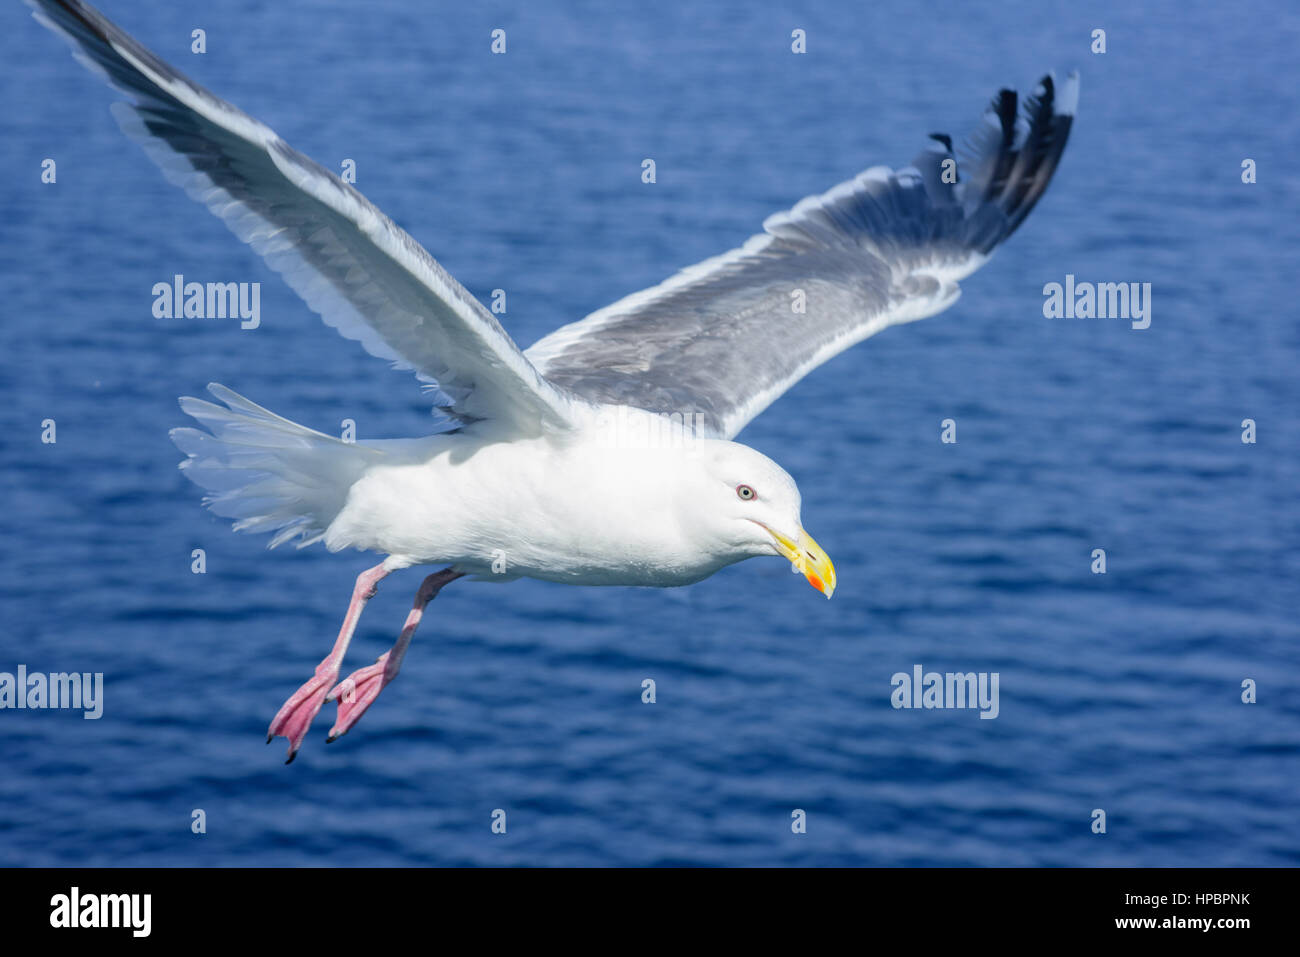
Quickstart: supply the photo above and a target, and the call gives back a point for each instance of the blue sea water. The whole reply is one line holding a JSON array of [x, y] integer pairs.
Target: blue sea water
[[1119, 691]]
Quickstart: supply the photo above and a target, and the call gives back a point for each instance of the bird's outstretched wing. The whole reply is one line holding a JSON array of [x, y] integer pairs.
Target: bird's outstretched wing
[[723, 339], [364, 275]]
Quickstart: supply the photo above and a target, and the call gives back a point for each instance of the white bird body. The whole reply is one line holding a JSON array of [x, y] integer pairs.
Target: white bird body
[[618, 498], [563, 508]]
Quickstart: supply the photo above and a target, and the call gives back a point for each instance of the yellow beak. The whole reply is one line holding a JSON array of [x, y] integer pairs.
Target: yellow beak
[[808, 558]]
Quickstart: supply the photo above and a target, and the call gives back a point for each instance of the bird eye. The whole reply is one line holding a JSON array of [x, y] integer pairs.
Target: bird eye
[[745, 492]]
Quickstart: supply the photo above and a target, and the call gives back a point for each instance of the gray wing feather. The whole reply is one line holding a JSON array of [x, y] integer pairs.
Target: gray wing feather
[[724, 338], [364, 275]]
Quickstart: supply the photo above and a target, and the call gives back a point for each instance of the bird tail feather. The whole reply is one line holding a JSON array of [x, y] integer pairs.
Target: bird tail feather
[[267, 473]]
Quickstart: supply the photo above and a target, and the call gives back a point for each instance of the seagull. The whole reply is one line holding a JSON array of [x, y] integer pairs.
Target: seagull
[[603, 454]]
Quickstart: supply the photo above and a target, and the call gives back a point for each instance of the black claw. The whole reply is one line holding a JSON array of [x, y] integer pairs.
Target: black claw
[[292, 755], [269, 737]]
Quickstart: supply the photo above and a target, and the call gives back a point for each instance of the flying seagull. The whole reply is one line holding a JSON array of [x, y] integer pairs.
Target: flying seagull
[[554, 462]]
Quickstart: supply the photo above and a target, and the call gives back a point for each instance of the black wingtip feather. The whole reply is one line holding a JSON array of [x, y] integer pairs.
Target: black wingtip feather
[[943, 138], [1033, 137]]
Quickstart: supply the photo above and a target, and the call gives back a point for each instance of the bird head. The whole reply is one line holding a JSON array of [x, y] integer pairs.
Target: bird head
[[753, 505]]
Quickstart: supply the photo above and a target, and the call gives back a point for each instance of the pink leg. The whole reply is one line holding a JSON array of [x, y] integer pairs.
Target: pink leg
[[296, 715], [357, 691]]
